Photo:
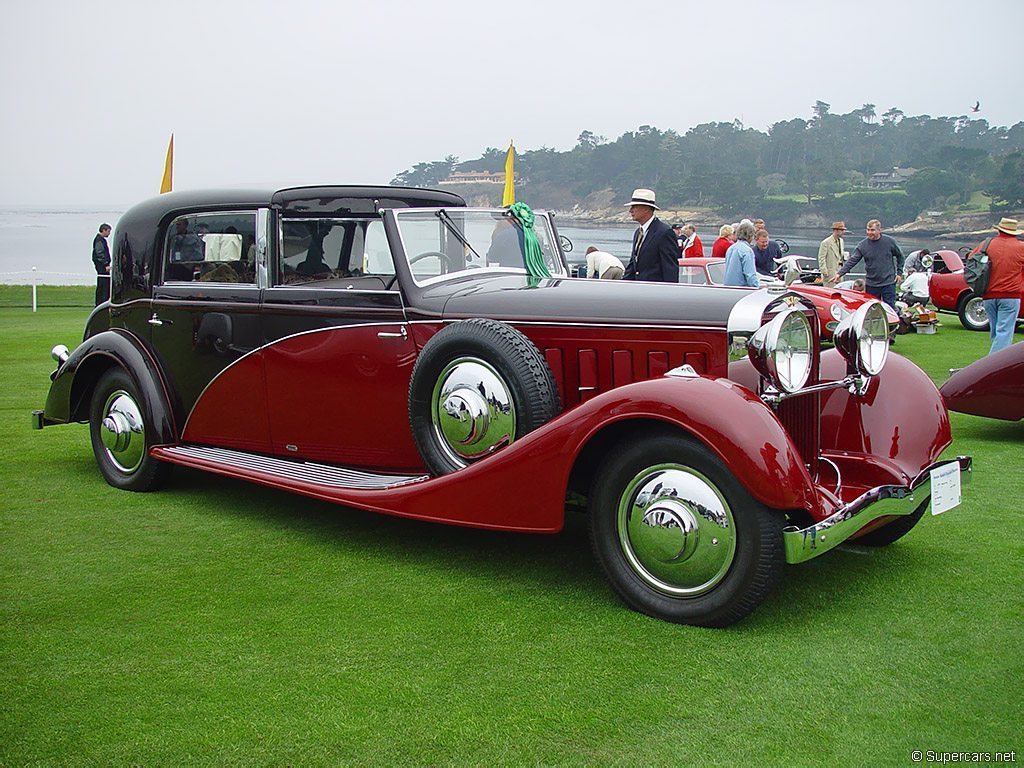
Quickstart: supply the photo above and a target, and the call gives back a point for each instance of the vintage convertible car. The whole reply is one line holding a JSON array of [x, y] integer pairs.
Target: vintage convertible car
[[949, 291], [992, 386], [830, 304], [394, 350]]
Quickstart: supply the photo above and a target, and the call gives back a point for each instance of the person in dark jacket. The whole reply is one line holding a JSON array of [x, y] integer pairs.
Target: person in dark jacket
[[655, 253], [883, 263], [101, 260]]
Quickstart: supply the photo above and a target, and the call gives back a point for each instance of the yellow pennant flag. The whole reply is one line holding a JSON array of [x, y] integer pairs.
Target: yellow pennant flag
[[165, 183], [509, 195]]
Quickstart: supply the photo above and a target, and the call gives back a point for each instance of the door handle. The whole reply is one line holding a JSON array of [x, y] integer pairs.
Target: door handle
[[402, 334], [154, 320]]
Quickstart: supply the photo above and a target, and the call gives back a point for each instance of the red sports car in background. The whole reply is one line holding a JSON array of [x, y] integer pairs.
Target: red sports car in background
[[949, 291], [831, 304]]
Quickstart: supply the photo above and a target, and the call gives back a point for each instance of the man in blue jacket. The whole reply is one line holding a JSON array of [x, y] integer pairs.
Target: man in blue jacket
[[655, 254]]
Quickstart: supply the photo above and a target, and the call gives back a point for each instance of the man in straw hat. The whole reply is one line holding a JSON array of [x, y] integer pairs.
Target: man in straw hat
[[655, 254], [1005, 283], [831, 255]]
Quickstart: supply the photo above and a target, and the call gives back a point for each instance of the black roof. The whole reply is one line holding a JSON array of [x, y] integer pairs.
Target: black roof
[[312, 200]]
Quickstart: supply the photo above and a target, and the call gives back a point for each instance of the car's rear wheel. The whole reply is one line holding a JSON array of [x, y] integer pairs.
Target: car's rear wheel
[[678, 536], [119, 427], [971, 309], [477, 386]]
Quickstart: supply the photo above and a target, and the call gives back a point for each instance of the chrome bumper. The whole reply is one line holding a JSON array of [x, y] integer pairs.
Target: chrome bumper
[[805, 543]]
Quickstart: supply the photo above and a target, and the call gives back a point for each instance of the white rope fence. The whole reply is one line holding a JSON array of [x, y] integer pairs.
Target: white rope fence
[[34, 274]]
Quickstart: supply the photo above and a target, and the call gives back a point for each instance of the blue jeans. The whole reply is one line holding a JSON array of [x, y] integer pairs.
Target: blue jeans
[[886, 293], [1002, 317]]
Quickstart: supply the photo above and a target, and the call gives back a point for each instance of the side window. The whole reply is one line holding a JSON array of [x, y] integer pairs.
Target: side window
[[211, 248], [354, 251]]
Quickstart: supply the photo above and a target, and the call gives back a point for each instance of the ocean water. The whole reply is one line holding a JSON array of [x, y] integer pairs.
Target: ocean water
[[58, 243]]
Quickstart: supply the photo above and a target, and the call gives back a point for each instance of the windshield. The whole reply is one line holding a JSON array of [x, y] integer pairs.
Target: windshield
[[716, 270], [446, 241]]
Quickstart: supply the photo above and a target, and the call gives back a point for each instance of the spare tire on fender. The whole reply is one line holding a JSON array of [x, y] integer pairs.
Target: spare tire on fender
[[477, 386]]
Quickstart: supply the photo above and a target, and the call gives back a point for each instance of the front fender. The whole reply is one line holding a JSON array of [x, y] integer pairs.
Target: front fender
[[73, 383], [901, 422], [727, 417]]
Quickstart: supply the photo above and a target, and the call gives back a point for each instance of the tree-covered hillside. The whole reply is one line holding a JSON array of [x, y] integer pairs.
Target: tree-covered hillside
[[797, 163]]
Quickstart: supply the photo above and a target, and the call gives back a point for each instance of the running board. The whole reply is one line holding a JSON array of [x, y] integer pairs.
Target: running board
[[269, 469]]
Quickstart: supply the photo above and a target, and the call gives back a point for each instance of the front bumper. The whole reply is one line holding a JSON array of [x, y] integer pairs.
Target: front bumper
[[886, 500]]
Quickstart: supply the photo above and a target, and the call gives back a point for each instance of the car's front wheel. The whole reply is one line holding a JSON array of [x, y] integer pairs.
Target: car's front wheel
[[971, 309], [119, 427], [678, 536], [892, 531]]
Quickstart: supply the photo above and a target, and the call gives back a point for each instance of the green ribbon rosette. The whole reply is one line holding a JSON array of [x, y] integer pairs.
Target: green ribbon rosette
[[535, 266]]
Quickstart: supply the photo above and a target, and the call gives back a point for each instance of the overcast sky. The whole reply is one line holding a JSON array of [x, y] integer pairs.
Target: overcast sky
[[354, 92]]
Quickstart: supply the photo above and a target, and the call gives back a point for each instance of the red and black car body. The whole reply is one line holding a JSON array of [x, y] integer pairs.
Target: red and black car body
[[949, 291], [422, 373]]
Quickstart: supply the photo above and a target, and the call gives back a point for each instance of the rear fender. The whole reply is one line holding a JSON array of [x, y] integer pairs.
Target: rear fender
[[74, 382]]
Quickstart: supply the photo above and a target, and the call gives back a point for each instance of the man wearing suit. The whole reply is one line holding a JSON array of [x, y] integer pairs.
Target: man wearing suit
[[831, 255], [655, 254]]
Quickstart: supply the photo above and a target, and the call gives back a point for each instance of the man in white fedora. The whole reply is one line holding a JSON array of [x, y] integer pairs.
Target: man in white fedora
[[655, 254]]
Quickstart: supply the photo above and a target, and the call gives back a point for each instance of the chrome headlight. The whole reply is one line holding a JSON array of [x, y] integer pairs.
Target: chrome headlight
[[836, 310], [781, 350], [863, 338]]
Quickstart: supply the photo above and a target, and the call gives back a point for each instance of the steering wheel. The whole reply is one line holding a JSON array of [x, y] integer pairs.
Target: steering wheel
[[783, 245], [443, 258], [566, 243]]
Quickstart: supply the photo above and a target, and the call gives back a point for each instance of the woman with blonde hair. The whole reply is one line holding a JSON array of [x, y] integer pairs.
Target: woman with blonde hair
[[725, 239]]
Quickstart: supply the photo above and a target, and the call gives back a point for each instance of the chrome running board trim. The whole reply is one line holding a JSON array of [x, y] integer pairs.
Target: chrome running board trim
[[285, 469]]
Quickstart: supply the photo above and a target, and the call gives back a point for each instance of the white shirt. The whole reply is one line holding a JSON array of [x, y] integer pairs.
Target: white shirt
[[916, 283], [600, 261]]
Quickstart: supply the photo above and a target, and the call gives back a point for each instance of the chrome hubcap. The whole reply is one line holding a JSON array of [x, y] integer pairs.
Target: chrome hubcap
[[471, 410], [975, 311], [122, 432], [676, 530]]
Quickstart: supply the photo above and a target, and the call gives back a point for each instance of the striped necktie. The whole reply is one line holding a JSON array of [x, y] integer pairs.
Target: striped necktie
[[639, 239]]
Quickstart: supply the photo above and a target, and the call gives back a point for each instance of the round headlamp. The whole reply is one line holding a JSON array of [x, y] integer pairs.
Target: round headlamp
[[781, 350], [863, 338]]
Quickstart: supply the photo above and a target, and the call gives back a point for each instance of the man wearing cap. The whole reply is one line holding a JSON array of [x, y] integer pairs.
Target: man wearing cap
[[1005, 283], [655, 254], [830, 254]]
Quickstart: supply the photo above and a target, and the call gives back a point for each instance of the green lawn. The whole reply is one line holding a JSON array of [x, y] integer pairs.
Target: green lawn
[[217, 622]]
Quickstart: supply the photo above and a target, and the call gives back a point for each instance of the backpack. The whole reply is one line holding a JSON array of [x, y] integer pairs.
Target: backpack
[[977, 269]]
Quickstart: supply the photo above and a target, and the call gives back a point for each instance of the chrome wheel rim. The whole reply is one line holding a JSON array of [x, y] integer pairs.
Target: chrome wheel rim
[[975, 312], [123, 432], [471, 410], [676, 530]]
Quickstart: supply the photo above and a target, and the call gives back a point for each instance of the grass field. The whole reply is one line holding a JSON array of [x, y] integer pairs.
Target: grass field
[[217, 622]]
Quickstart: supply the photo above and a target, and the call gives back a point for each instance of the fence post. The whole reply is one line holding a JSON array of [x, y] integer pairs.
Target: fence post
[[33, 289]]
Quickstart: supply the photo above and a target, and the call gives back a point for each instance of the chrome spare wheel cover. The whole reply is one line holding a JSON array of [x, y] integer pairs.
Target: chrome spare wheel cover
[[123, 432], [676, 530], [975, 311], [472, 410]]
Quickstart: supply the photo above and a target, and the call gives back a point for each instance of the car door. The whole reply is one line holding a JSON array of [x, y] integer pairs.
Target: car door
[[205, 326], [338, 352]]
